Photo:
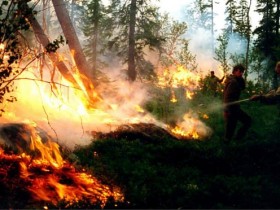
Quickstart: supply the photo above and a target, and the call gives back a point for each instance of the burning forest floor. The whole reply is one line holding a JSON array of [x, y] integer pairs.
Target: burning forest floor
[[143, 166], [165, 173]]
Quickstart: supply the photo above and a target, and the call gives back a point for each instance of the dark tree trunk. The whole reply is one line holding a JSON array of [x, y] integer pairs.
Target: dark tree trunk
[[277, 17], [73, 41], [248, 37], [95, 36], [43, 39], [131, 42]]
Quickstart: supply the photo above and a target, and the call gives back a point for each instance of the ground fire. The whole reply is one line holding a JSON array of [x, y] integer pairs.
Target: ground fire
[[55, 114], [40, 174]]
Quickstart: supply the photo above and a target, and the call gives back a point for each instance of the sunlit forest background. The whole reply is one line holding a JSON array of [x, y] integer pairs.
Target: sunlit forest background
[[124, 90]]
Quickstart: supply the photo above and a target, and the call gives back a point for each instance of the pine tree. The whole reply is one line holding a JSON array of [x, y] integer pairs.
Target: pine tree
[[133, 28], [267, 41], [93, 25]]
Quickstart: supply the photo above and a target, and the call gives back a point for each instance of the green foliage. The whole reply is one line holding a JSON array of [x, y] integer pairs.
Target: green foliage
[[13, 46], [163, 108], [12, 23], [93, 24], [175, 49], [168, 173], [267, 42], [54, 45], [221, 52], [206, 13], [145, 32], [210, 86]]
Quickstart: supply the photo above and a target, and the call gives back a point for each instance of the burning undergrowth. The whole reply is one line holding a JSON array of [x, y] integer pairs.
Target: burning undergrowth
[[147, 132], [40, 177], [38, 173]]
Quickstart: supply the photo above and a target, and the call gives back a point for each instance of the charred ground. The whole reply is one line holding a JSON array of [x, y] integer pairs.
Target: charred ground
[[157, 170]]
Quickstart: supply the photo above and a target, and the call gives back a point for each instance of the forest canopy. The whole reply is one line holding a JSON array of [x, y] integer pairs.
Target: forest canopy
[[133, 40]]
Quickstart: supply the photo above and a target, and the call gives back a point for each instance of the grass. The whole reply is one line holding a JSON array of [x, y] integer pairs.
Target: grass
[[161, 172], [169, 173]]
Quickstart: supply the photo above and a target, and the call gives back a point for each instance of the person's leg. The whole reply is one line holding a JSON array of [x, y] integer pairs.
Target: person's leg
[[230, 125], [246, 121]]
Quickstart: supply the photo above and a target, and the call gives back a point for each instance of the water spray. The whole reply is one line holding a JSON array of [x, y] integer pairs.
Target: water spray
[[237, 102], [218, 106]]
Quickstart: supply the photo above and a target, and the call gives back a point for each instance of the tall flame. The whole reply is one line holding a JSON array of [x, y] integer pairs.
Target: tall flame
[[179, 76]]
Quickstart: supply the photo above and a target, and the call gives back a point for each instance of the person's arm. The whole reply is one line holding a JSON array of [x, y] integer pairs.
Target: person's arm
[[220, 80], [272, 97]]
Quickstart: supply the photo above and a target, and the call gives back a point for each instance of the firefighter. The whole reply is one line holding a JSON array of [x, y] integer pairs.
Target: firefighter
[[213, 82], [273, 96], [233, 114]]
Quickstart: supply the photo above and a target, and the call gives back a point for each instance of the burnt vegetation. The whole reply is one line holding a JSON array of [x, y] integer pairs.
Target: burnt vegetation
[[165, 172], [153, 168], [157, 170]]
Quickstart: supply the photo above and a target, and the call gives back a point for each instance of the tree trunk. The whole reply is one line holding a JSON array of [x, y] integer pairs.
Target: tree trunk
[[248, 37], [131, 42], [43, 39], [277, 17], [95, 36], [212, 28], [73, 41]]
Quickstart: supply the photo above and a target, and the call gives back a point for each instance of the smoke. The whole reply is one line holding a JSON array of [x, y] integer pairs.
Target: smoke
[[62, 113], [201, 39], [200, 44]]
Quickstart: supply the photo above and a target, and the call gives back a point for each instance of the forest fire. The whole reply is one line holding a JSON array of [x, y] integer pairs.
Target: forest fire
[[190, 128], [179, 76], [89, 119], [61, 109], [180, 132], [46, 177]]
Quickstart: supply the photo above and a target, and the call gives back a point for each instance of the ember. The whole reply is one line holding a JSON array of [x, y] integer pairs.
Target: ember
[[44, 177], [147, 132]]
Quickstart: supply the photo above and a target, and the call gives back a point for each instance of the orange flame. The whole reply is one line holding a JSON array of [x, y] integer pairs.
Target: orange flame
[[178, 131], [173, 97], [205, 116], [190, 127], [53, 179], [179, 76]]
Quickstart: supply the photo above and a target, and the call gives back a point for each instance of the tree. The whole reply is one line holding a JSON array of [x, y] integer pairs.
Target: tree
[[231, 10], [44, 40], [243, 27], [131, 41], [175, 49], [239, 25], [134, 29], [207, 17], [92, 22], [267, 41], [221, 52], [51, 48], [12, 47], [73, 42]]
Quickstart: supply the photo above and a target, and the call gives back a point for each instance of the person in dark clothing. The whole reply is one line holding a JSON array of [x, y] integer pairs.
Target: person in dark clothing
[[213, 83], [273, 96], [233, 114]]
